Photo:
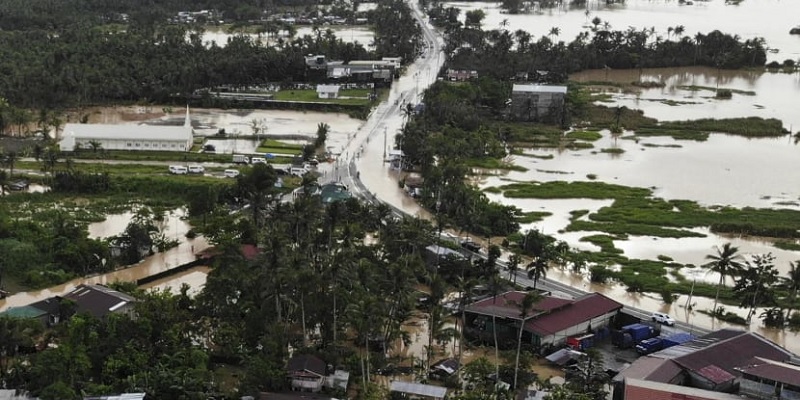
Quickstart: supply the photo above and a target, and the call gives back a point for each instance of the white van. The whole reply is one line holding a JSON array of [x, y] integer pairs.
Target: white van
[[231, 173], [196, 169], [258, 160], [178, 170]]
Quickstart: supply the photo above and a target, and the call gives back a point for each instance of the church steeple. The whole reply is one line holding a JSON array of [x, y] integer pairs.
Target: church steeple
[[188, 122]]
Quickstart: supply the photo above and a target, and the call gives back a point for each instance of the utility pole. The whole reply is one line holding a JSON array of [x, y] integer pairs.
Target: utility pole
[[384, 144]]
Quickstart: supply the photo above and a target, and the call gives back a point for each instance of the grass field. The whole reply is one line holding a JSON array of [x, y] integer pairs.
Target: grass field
[[348, 96], [277, 147]]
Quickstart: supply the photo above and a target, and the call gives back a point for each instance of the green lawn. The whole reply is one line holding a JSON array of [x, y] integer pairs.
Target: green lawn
[[278, 147], [359, 96]]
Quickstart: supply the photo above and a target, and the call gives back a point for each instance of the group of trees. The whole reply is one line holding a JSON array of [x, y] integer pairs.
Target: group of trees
[[87, 62], [758, 284], [502, 53], [453, 130]]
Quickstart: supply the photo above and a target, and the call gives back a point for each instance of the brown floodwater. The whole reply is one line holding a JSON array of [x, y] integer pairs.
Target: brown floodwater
[[159, 262], [194, 277], [770, 19], [774, 94]]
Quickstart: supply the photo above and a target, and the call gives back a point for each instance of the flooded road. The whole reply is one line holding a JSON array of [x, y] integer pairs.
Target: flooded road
[[770, 19], [698, 165]]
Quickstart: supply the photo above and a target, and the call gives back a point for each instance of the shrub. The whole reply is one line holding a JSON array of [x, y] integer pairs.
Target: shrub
[[724, 94]]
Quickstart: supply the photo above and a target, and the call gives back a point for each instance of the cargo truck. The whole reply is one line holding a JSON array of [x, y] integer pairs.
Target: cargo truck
[[632, 334], [648, 346], [581, 342]]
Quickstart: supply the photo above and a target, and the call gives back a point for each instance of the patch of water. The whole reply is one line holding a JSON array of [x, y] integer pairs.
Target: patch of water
[[194, 277], [769, 19]]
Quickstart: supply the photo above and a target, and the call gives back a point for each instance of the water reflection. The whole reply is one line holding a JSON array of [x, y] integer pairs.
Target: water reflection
[[770, 19]]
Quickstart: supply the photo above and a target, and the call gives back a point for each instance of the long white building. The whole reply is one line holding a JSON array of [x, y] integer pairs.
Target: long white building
[[128, 137]]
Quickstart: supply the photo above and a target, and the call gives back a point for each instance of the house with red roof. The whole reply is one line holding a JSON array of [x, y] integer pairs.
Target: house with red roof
[[711, 366], [550, 321]]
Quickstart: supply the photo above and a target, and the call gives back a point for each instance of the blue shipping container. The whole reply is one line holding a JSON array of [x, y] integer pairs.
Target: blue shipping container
[[677, 338]]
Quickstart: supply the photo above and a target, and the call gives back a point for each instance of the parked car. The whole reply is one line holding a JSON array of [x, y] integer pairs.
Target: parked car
[[209, 148], [196, 169], [18, 185], [662, 318], [231, 173], [258, 160], [178, 170], [471, 246]]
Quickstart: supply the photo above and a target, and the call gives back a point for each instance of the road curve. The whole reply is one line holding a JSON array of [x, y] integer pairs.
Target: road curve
[[386, 121]]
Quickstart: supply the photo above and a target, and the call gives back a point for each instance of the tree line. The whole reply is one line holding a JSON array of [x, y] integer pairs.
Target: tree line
[[503, 53], [91, 63]]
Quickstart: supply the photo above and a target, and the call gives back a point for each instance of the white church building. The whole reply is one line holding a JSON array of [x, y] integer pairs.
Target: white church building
[[128, 137]]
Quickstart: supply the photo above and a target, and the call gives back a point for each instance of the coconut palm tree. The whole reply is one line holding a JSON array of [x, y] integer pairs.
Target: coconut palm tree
[[726, 263], [554, 32], [537, 269], [792, 283], [513, 266], [525, 307]]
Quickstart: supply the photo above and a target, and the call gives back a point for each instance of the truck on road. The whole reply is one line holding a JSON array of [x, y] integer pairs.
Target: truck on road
[[241, 159]]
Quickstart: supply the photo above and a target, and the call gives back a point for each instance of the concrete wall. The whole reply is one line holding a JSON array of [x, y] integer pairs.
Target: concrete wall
[[580, 329], [134, 145], [534, 106]]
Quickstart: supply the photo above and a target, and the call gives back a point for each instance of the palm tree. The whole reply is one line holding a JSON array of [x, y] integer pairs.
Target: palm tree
[[513, 266], [554, 32], [725, 263], [10, 159], [792, 282], [537, 269], [463, 285], [525, 307]]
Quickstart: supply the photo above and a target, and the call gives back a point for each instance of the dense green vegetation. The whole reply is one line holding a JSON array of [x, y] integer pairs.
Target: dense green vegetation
[[503, 54], [71, 58]]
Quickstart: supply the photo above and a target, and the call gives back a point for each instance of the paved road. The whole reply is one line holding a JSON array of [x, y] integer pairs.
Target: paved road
[[386, 117]]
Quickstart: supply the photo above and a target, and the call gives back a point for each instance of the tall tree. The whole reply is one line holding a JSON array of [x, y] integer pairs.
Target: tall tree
[[525, 308], [725, 263]]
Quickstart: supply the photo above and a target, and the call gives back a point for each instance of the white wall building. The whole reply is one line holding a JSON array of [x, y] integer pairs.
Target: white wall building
[[328, 91], [128, 137]]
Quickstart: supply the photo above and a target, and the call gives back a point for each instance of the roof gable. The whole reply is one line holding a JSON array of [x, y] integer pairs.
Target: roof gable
[[98, 300], [130, 132], [506, 305], [776, 371], [733, 352], [582, 309], [306, 363]]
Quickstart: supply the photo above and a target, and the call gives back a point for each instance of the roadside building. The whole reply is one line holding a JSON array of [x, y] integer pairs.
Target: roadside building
[[95, 300], [767, 379], [537, 102], [418, 390], [636, 389], [721, 361], [128, 137], [328, 91], [100, 301], [551, 321], [306, 373], [461, 75]]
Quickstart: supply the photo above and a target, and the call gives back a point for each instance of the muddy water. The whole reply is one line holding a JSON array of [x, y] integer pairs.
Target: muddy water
[[775, 93], [348, 34], [159, 262], [770, 19], [195, 278]]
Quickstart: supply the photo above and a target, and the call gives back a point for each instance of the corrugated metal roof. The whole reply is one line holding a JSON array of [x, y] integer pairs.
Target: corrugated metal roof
[[715, 374], [23, 312], [581, 310], [124, 396], [773, 370], [639, 389], [132, 132], [507, 304], [418, 389], [539, 88], [733, 352]]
